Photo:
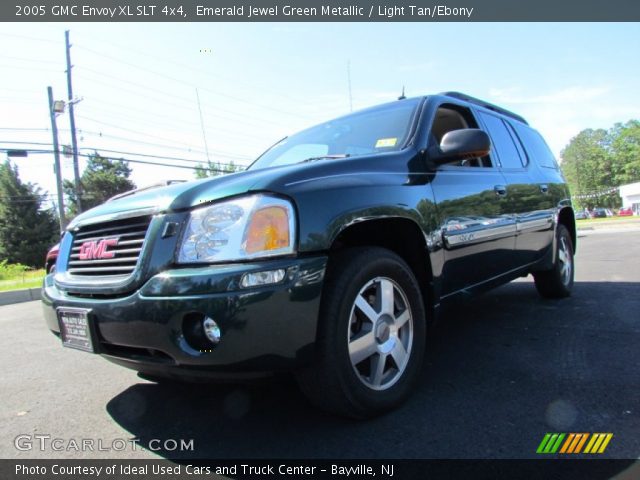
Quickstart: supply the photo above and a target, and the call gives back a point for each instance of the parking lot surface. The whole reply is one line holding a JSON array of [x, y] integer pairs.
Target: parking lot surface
[[501, 370]]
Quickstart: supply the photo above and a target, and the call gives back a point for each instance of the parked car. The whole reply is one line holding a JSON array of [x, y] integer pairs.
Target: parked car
[[50, 260], [625, 212], [329, 257], [581, 215], [599, 213]]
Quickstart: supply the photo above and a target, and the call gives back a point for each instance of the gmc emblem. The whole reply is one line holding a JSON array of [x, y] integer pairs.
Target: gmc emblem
[[97, 249]]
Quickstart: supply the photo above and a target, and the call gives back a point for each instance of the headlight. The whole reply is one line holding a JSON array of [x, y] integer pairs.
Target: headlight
[[247, 227]]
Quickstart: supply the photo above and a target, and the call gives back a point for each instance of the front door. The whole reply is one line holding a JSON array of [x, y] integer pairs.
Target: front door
[[472, 204]]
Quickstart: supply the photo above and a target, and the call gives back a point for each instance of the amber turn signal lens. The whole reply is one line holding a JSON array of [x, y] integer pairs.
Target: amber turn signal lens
[[268, 230]]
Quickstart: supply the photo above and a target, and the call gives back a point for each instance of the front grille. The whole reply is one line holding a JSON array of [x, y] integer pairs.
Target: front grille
[[108, 249]]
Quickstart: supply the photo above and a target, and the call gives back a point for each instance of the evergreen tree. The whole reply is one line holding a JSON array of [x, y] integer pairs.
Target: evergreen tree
[[26, 230], [102, 179], [213, 169]]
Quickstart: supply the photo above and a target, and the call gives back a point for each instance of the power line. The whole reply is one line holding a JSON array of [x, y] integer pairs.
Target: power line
[[25, 143], [164, 60], [149, 156], [129, 160], [34, 60], [99, 149], [26, 37], [163, 97], [220, 153], [138, 142], [168, 77], [119, 115], [34, 69], [26, 129], [128, 140]]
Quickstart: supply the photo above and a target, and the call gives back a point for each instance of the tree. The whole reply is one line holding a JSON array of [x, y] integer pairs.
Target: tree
[[589, 168], [26, 230], [102, 179], [625, 147], [213, 169]]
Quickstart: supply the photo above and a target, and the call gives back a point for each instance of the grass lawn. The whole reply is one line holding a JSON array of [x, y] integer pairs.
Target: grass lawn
[[29, 279], [590, 221]]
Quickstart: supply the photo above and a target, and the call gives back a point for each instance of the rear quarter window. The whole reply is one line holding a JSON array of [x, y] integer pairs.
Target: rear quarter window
[[537, 149], [503, 142]]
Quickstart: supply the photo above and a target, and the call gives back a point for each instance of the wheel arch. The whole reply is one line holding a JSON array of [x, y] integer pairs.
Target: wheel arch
[[400, 235], [567, 218]]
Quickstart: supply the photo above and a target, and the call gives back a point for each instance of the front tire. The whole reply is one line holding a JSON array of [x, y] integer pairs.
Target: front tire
[[371, 335], [558, 282]]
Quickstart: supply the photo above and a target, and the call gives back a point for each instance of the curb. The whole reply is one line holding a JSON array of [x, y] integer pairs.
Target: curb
[[19, 296]]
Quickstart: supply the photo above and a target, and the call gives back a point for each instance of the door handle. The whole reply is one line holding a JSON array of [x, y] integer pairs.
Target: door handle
[[501, 190], [544, 188]]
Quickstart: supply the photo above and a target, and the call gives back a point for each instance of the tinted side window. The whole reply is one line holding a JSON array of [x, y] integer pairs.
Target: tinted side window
[[536, 147], [502, 141], [451, 117]]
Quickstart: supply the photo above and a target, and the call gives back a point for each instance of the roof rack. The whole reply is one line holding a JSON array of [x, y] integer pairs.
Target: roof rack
[[482, 103]]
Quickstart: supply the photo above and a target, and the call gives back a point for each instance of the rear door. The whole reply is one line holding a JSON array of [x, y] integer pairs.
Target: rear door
[[528, 193]]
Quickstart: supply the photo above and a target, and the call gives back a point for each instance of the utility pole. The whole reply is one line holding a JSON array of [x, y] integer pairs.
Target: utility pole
[[72, 121], [56, 156], [349, 84]]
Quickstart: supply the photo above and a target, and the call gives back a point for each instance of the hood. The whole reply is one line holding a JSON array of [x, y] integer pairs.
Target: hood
[[179, 196], [287, 179]]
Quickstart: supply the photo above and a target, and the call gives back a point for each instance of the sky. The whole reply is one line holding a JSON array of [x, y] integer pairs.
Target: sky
[[138, 85]]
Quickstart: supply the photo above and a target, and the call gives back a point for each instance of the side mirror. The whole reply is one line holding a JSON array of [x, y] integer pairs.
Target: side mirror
[[459, 145]]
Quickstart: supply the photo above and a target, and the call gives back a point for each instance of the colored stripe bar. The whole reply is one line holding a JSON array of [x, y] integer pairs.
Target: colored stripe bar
[[543, 443], [605, 443], [551, 443], [555, 447], [594, 437], [567, 443], [574, 444], [581, 443], [596, 445]]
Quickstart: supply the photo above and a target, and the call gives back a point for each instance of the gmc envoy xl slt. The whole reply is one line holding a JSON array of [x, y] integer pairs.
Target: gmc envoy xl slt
[[329, 257]]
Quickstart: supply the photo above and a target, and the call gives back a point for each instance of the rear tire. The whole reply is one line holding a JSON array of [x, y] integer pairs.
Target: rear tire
[[371, 335], [558, 282]]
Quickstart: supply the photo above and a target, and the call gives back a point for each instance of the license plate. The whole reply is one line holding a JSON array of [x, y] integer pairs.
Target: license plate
[[75, 328]]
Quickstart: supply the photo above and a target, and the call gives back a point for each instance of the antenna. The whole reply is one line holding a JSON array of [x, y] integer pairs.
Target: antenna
[[349, 83], [204, 135], [402, 96]]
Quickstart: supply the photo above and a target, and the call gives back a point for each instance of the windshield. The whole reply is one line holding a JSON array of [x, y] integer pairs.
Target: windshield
[[379, 129]]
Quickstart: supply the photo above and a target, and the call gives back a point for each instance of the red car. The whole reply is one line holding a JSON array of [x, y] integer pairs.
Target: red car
[[52, 256], [625, 212]]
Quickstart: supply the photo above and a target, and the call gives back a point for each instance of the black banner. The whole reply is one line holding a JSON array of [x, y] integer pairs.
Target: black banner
[[320, 11], [591, 469]]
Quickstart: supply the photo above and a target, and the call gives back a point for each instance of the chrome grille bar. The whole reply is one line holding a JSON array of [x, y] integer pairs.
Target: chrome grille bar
[[108, 249]]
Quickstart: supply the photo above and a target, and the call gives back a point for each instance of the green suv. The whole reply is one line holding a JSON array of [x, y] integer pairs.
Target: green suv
[[329, 257]]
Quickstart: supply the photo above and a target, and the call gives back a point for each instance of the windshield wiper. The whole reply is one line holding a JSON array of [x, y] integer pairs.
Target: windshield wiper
[[324, 157]]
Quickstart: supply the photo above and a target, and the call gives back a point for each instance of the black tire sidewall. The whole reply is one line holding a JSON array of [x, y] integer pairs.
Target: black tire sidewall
[[564, 233], [356, 273]]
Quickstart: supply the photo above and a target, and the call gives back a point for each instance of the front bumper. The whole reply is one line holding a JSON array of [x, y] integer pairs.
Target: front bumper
[[264, 329]]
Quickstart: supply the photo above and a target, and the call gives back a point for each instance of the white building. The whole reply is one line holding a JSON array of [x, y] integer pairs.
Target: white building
[[630, 195]]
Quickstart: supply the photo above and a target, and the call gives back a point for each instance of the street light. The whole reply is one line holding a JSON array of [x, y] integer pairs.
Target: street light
[[58, 107]]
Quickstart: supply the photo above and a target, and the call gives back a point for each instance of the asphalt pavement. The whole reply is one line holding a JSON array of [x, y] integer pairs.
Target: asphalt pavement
[[502, 370]]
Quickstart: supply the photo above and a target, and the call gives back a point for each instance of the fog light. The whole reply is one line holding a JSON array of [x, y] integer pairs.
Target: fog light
[[257, 279], [211, 330]]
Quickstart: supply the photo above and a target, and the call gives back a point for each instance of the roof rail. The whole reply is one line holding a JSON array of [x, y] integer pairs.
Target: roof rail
[[482, 103]]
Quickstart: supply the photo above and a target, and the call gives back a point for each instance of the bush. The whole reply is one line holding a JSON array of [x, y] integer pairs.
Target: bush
[[10, 271]]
